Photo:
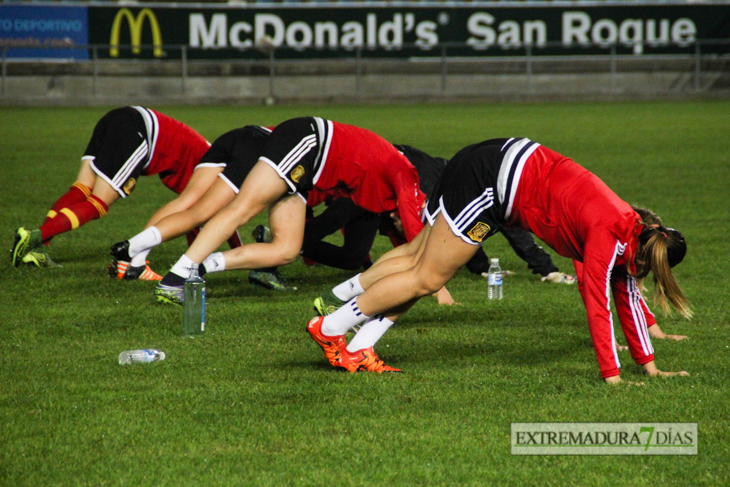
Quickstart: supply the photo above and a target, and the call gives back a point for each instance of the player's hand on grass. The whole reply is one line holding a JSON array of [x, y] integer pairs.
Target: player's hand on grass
[[443, 296], [616, 379], [651, 369], [656, 332]]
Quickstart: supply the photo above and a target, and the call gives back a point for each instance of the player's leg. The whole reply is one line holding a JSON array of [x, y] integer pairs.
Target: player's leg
[[442, 256], [286, 220], [75, 215], [79, 191], [27, 240], [201, 182], [70, 217], [130, 256], [359, 234], [395, 260], [261, 189]]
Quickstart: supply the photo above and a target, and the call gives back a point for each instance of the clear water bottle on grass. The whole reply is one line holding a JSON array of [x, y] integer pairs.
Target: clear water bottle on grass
[[194, 304], [140, 356], [494, 280]]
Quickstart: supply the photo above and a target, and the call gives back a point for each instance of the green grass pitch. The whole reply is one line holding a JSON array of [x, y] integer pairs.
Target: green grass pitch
[[253, 402]]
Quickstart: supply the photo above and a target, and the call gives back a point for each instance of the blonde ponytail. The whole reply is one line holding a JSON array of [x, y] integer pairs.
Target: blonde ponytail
[[666, 289]]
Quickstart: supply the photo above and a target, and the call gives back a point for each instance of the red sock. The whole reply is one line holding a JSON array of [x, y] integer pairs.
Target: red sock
[[191, 235], [73, 216], [76, 194], [234, 240]]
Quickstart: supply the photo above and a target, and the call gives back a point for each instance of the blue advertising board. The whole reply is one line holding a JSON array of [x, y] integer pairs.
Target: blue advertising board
[[44, 31]]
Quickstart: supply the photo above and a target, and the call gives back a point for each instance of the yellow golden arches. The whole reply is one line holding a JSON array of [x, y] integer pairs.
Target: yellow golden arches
[[135, 31]]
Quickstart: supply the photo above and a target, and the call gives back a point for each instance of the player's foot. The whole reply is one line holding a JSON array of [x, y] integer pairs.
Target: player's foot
[[333, 346], [327, 303], [38, 258], [142, 273], [364, 361], [261, 234], [25, 241], [559, 278], [170, 294], [268, 280], [120, 259]]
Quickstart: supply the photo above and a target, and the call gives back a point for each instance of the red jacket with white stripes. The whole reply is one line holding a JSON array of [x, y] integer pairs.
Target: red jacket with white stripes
[[366, 168], [177, 149], [575, 213]]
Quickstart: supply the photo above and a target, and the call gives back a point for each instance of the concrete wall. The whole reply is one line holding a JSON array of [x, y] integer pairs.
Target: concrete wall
[[211, 83]]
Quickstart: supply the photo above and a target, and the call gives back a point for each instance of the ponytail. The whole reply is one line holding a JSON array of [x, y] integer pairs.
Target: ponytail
[[660, 249]]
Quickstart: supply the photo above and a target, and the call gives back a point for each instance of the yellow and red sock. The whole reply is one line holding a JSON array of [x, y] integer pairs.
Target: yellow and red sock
[[73, 216], [76, 194]]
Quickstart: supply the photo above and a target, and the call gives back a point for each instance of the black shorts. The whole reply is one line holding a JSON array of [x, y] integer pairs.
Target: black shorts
[[119, 148], [296, 150], [237, 151], [466, 194]]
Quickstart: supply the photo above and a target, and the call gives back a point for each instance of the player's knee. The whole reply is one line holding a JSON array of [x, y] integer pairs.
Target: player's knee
[[284, 254], [427, 284]]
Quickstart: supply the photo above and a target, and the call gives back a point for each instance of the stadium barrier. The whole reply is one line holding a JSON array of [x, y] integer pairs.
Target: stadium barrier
[[704, 62]]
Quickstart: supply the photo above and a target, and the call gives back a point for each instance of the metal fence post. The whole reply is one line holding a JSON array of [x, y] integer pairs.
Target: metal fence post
[[358, 70], [698, 67], [4, 70], [613, 68], [529, 66], [184, 60], [95, 55], [444, 67], [272, 73]]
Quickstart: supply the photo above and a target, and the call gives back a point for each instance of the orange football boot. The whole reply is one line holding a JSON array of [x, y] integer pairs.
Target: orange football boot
[[364, 361], [333, 346]]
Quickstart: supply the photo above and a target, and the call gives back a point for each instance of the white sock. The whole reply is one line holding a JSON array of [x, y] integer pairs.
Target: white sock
[[146, 239], [215, 263], [343, 319], [349, 289], [369, 334], [182, 267], [140, 259]]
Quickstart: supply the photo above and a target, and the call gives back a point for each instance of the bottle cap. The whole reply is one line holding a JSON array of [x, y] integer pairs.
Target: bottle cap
[[162, 355], [495, 261]]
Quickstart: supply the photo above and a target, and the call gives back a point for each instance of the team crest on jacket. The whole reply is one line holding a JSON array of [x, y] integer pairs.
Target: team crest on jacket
[[129, 186], [297, 173], [479, 231]]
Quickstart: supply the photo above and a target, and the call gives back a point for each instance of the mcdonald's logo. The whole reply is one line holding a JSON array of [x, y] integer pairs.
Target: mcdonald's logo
[[135, 31]]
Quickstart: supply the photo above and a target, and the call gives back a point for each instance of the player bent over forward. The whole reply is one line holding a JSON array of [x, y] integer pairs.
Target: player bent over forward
[[232, 155], [521, 183], [127, 143], [301, 155]]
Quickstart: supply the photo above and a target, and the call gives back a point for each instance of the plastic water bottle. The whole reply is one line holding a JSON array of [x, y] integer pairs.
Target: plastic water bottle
[[495, 280], [194, 304], [140, 356]]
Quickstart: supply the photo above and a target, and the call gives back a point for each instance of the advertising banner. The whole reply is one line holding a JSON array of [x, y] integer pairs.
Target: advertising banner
[[406, 31], [44, 32]]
